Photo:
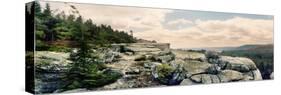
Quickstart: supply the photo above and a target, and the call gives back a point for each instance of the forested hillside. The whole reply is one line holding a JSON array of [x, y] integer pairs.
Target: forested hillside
[[262, 55], [58, 31]]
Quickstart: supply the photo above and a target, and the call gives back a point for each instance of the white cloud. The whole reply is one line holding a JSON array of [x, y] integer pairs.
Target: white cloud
[[179, 22], [216, 33]]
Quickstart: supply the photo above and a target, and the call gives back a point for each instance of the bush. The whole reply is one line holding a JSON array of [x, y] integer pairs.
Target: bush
[[169, 75], [40, 45], [164, 70]]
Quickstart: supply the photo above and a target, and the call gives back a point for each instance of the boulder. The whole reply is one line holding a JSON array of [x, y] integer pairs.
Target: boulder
[[196, 67], [111, 56], [252, 75], [240, 64], [205, 78], [230, 75], [214, 69], [257, 75]]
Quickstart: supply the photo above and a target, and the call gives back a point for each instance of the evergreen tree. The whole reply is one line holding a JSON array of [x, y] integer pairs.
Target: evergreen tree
[[86, 70], [37, 8], [47, 12]]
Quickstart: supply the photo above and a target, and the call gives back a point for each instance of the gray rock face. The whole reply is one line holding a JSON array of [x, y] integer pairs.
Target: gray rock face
[[164, 56], [50, 68], [147, 65], [187, 55], [219, 69], [196, 67], [257, 74], [205, 78], [230, 75], [111, 56], [236, 63], [214, 69]]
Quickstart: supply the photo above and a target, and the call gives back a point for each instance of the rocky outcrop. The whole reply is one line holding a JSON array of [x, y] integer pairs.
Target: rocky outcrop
[[153, 64], [236, 63], [174, 67], [214, 68], [50, 68]]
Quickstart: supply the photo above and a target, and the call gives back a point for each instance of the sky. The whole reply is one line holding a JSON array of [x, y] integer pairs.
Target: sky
[[180, 28]]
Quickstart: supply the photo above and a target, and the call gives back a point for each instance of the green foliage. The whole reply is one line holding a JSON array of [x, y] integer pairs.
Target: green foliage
[[51, 28], [86, 69], [164, 70]]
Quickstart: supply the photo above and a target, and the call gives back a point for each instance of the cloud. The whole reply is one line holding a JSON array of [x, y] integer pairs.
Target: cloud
[[216, 33], [177, 24], [121, 18], [179, 21]]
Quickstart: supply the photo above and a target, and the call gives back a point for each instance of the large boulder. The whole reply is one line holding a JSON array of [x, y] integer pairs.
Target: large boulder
[[196, 67], [240, 64], [230, 75], [189, 55]]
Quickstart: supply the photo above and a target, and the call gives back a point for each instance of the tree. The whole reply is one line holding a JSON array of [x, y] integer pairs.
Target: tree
[[86, 70], [47, 12], [52, 27], [37, 9]]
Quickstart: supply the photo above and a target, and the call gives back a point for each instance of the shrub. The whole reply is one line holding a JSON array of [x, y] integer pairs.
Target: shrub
[[164, 70]]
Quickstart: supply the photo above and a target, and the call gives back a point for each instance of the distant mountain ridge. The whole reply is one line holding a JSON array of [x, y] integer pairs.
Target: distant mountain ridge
[[243, 47]]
